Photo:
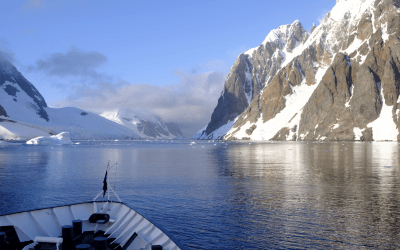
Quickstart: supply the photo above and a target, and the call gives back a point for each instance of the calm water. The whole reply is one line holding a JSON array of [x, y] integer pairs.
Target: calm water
[[225, 195]]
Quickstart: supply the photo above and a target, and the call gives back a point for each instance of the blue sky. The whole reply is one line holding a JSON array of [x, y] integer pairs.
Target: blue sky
[[79, 51]]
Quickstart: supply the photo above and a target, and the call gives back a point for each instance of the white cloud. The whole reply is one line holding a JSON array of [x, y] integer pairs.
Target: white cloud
[[6, 52], [74, 62], [189, 104], [323, 15]]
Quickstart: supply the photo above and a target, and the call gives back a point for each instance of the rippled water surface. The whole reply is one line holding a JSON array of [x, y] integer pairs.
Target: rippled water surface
[[225, 195]]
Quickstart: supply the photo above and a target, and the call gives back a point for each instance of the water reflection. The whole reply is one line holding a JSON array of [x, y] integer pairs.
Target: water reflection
[[315, 194], [34, 165]]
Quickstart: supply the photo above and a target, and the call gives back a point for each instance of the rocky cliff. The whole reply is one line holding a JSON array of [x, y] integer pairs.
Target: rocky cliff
[[341, 81]]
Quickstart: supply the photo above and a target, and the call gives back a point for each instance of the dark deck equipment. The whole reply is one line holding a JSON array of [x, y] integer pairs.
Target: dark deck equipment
[[99, 218], [67, 237], [11, 240], [100, 243], [77, 228], [83, 247], [2, 240], [129, 242]]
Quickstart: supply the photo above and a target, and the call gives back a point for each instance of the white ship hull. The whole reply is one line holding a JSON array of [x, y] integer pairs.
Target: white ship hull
[[125, 229]]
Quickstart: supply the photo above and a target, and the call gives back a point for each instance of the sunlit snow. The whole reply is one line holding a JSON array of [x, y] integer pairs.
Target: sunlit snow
[[62, 138]]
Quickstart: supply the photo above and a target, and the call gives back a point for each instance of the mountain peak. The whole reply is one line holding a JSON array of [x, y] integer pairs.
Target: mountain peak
[[284, 33], [313, 28]]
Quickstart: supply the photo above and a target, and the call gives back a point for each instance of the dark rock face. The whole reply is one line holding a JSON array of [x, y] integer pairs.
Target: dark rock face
[[282, 134], [272, 99], [151, 129], [305, 65], [251, 129], [365, 27], [366, 102], [11, 90], [367, 135], [3, 112], [6, 120], [173, 129], [233, 98], [155, 130], [328, 99], [11, 77]]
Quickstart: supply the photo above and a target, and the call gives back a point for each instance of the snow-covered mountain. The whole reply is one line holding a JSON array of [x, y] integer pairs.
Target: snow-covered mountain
[[24, 113], [340, 81], [149, 128]]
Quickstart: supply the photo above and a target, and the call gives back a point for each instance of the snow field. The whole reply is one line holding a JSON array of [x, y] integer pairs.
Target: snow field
[[384, 128], [18, 131]]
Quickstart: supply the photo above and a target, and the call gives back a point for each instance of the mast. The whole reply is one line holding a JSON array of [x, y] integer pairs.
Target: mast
[[107, 187]]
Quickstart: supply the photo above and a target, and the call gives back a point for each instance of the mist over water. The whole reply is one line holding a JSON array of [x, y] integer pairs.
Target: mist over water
[[224, 195]]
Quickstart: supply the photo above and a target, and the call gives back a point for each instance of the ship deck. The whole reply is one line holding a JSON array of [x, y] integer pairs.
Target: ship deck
[[100, 225]]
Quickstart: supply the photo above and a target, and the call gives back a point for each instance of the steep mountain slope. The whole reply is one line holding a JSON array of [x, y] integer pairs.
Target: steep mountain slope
[[339, 82], [19, 95], [152, 128]]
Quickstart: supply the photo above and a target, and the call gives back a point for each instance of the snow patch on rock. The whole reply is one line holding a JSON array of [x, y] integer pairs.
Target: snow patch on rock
[[384, 128], [222, 131], [294, 104], [358, 133]]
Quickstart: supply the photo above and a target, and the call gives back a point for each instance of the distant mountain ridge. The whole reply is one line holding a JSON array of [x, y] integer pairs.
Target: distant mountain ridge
[[340, 81], [153, 128], [24, 115]]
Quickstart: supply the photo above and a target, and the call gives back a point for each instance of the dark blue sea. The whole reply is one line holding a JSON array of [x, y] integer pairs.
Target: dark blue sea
[[224, 195]]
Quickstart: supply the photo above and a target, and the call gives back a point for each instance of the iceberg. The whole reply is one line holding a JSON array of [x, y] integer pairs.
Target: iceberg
[[61, 138]]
